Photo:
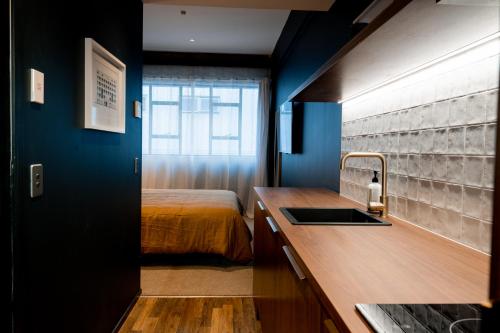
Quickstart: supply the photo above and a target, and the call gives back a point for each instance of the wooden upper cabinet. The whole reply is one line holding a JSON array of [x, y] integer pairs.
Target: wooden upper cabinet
[[407, 37]]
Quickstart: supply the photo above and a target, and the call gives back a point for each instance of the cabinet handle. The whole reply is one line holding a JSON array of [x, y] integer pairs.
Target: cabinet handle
[[261, 205], [271, 224], [330, 326], [293, 262]]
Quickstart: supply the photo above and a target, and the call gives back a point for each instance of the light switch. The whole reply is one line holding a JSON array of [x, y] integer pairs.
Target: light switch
[[36, 180], [36, 86], [137, 109], [136, 166]]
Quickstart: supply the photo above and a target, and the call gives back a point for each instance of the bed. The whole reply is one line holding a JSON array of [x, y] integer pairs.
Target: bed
[[194, 221]]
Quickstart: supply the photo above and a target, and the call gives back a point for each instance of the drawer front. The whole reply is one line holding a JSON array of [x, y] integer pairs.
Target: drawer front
[[284, 300], [266, 251], [298, 309]]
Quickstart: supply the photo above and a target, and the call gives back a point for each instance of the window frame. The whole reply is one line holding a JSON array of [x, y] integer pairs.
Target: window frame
[[212, 105]]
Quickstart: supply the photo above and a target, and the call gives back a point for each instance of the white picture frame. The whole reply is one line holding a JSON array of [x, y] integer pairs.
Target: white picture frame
[[105, 86]]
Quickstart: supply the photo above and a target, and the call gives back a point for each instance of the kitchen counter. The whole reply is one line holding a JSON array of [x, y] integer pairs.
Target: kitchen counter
[[401, 263]]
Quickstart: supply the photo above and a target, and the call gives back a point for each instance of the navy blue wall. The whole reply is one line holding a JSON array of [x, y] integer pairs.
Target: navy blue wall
[[76, 248], [318, 164], [308, 40], [5, 229]]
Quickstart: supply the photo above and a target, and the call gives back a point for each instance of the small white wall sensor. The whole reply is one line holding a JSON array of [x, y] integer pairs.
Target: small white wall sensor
[[36, 86], [137, 109]]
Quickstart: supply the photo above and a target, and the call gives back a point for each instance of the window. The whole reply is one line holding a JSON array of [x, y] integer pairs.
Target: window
[[200, 118]]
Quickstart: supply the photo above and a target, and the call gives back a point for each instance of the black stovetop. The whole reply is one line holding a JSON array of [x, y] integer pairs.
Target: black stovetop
[[422, 318]]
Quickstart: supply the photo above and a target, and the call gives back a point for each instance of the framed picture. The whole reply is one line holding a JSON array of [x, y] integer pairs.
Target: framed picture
[[105, 77]]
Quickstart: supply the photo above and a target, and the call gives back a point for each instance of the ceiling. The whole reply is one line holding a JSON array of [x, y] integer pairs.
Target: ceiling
[[213, 29], [255, 4]]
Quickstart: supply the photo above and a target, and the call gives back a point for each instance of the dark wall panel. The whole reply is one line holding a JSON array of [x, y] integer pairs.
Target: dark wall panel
[[318, 164], [322, 34], [5, 229], [308, 40], [76, 248]]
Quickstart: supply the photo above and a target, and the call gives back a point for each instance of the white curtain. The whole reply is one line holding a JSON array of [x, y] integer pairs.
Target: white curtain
[[205, 128]]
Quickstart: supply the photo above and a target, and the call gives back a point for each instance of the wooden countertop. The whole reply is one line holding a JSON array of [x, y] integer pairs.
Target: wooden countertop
[[401, 263]]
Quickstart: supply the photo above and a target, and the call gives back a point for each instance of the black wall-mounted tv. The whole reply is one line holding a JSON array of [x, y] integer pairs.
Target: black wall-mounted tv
[[290, 127]]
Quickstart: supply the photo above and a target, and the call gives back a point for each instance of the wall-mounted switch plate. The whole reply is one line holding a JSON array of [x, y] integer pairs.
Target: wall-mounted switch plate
[[137, 109], [37, 86], [136, 166], [36, 180]]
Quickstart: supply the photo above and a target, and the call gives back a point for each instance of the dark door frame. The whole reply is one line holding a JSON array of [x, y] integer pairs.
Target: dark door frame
[[5, 162], [494, 294]]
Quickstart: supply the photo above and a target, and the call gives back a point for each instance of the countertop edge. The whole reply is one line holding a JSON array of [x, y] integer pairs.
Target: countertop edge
[[322, 295]]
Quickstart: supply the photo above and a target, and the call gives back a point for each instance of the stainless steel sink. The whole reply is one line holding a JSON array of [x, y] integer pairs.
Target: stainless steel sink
[[330, 216]]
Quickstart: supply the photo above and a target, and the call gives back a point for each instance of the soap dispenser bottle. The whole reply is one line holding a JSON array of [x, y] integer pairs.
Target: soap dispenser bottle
[[374, 189]]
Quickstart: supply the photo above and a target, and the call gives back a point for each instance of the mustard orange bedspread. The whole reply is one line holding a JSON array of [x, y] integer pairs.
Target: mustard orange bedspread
[[194, 221]]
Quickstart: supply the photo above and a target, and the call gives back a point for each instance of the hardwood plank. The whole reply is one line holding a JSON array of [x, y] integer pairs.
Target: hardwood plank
[[248, 314], [173, 324], [133, 315], [146, 309], [162, 311], [206, 317], [227, 318], [174, 307], [216, 323], [238, 317], [157, 311], [150, 324], [192, 315]]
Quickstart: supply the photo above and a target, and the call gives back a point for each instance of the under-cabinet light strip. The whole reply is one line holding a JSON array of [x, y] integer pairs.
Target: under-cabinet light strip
[[372, 11], [425, 66]]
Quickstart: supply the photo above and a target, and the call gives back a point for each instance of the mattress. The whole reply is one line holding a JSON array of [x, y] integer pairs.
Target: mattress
[[194, 221]]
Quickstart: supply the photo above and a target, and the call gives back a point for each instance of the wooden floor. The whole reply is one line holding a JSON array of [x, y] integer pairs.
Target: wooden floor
[[192, 315]]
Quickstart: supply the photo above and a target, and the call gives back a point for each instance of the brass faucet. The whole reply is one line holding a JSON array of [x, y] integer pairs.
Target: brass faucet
[[382, 206]]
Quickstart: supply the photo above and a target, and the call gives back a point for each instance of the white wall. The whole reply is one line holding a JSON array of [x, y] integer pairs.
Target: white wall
[[436, 128]]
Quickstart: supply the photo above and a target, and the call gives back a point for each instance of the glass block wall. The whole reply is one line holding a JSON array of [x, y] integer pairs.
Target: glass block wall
[[437, 130]]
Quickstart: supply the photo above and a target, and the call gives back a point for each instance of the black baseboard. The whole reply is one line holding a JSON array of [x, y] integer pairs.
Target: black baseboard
[[123, 318]]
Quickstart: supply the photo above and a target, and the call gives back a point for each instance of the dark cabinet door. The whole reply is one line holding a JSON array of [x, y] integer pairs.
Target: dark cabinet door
[[266, 246], [284, 300], [327, 325], [298, 309]]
